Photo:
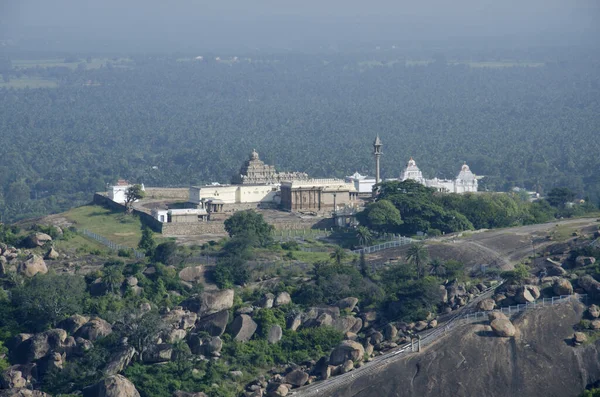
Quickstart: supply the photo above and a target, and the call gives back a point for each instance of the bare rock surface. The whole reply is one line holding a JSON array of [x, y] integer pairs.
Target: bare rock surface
[[112, 386], [347, 350], [243, 327], [32, 266], [94, 329], [470, 359], [213, 324]]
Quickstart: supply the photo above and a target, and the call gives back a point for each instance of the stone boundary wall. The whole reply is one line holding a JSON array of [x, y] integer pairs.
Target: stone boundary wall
[[175, 193], [211, 227], [193, 229]]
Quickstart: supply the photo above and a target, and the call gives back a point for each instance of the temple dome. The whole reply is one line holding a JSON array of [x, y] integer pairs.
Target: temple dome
[[254, 155]]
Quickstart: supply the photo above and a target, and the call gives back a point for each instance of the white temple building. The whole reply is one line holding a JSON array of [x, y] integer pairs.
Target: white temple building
[[362, 183], [465, 182]]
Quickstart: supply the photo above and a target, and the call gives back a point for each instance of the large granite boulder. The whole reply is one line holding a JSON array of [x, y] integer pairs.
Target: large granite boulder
[[283, 298], [210, 302], [52, 254], [347, 324], [94, 329], [38, 239], [347, 350], [486, 305], [585, 260], [390, 332], [21, 392], [192, 274], [347, 303], [73, 323], [594, 311], [32, 266], [112, 386], [562, 286], [274, 335], [533, 290], [180, 393], [160, 353], [39, 345], [497, 315], [294, 322], [589, 284], [554, 270], [205, 346], [119, 361], [12, 377], [181, 319], [296, 378], [213, 324], [503, 328], [266, 301], [524, 295], [242, 328]]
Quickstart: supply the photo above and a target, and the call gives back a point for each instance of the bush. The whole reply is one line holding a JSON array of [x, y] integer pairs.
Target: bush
[[291, 245], [125, 253]]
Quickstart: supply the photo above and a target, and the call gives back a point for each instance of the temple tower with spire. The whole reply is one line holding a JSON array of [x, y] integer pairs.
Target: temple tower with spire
[[377, 153]]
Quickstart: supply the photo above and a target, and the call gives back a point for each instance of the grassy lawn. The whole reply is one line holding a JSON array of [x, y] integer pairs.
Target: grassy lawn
[[78, 242], [115, 226]]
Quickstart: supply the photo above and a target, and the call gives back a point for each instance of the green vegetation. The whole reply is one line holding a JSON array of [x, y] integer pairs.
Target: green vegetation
[[115, 226], [422, 209], [432, 110], [250, 225]]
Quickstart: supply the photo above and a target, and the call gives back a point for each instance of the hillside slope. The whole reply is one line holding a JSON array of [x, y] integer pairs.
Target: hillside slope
[[538, 361]]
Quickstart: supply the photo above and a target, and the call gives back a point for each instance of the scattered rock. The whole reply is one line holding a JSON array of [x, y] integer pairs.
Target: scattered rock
[[346, 367], [368, 318], [433, 323], [213, 324], [347, 324], [119, 361], [294, 322], [584, 260], [131, 281], [245, 310], [180, 393], [179, 318], [21, 392], [236, 374], [486, 305], [205, 346], [158, 354], [555, 271], [562, 286], [39, 345], [73, 323], [12, 378], [534, 291], [38, 239], [242, 328], [524, 295], [595, 324], [32, 266], [420, 326], [51, 254], [266, 301], [277, 390], [579, 338], [347, 303], [350, 336], [112, 386], [594, 311], [503, 328], [210, 302], [297, 378], [443, 294], [274, 334], [94, 329], [495, 315], [283, 298], [175, 335], [192, 274], [589, 284], [347, 350], [376, 338], [390, 332]]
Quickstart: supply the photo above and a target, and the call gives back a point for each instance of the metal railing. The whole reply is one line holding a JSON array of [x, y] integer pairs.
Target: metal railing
[[300, 234], [538, 304], [427, 338], [111, 245], [397, 242]]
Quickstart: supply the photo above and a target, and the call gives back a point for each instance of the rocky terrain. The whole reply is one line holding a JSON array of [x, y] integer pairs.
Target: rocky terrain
[[541, 358]]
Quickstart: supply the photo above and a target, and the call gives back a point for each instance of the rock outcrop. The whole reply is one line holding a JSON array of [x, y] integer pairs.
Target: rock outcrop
[[503, 328], [562, 286], [243, 327], [94, 329], [210, 302], [112, 386], [213, 324], [347, 350], [32, 266]]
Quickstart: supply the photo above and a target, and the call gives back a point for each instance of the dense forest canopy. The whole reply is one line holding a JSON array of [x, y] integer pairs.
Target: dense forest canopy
[[173, 121]]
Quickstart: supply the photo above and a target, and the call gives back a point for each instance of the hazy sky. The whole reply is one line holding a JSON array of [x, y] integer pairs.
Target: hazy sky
[[181, 24]]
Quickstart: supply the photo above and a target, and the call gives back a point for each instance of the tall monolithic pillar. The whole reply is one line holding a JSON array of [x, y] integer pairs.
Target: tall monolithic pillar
[[377, 153]]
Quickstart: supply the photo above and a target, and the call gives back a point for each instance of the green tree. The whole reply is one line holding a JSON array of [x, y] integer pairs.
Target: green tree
[[251, 225], [363, 235], [140, 328], [113, 278], [132, 194], [166, 253], [417, 255], [381, 216], [560, 196], [147, 243], [338, 255], [46, 299]]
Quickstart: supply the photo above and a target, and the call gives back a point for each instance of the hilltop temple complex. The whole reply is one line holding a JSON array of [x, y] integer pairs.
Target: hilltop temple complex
[[465, 182]]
